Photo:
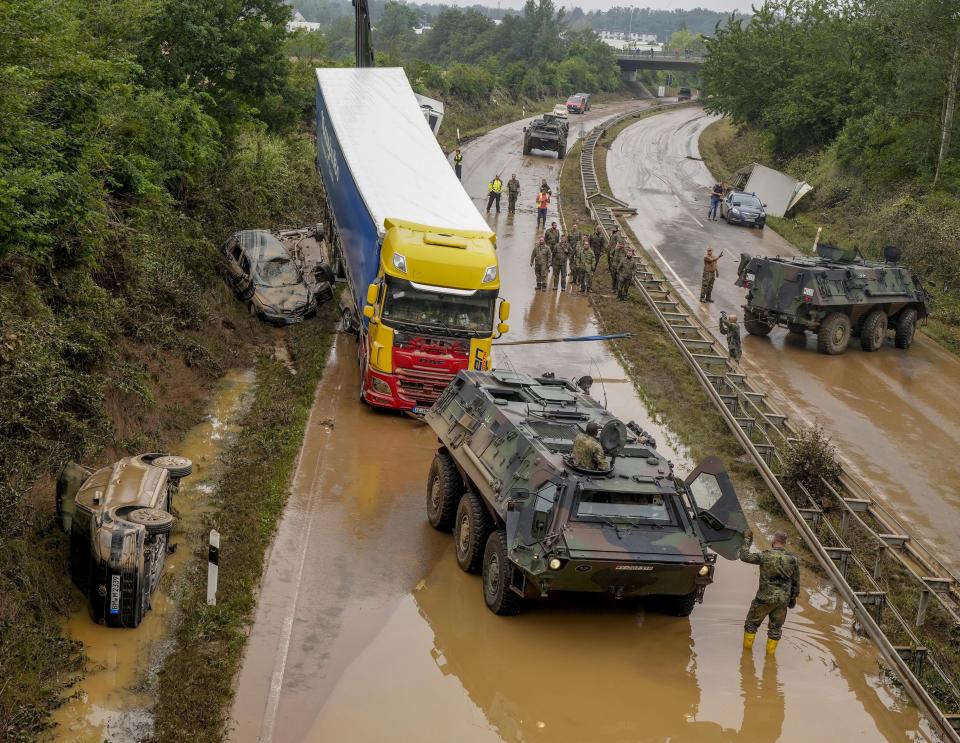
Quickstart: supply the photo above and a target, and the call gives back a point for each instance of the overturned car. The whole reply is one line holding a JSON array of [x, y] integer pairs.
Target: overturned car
[[281, 276], [119, 521]]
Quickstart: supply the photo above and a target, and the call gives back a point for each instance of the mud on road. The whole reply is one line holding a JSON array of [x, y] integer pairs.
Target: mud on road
[[894, 415], [367, 630]]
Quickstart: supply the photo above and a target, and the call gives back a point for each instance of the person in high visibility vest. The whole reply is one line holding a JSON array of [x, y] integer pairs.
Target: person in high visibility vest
[[543, 201], [493, 193], [458, 163]]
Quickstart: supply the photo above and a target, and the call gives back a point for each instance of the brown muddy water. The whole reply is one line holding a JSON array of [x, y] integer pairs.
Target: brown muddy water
[[114, 700], [367, 631]]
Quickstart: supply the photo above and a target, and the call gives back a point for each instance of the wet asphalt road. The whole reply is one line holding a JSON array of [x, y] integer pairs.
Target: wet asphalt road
[[367, 630], [895, 415]]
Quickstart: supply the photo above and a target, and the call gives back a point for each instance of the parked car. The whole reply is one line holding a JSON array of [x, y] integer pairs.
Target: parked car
[[684, 94], [265, 275], [578, 103], [560, 110], [119, 521], [743, 208]]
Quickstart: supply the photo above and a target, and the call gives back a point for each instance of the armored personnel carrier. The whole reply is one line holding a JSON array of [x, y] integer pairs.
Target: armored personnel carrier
[[532, 521], [549, 132], [836, 295]]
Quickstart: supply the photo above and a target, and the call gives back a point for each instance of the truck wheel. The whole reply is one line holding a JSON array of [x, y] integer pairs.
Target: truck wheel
[[444, 489], [470, 532], [906, 328], [155, 520], [797, 328], [834, 334], [873, 331], [755, 326], [562, 151], [677, 606], [498, 576], [526, 148]]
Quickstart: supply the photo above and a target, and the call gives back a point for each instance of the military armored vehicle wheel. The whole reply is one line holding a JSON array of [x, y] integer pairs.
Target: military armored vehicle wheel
[[562, 150], [155, 520], [906, 328], [873, 331], [834, 334], [498, 576], [677, 606], [526, 147], [755, 326], [470, 532], [797, 329], [444, 489]]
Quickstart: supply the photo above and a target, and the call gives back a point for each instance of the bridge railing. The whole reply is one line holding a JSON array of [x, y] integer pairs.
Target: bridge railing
[[659, 56]]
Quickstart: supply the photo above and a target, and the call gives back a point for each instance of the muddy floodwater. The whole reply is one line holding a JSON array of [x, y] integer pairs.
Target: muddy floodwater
[[114, 699], [367, 631]]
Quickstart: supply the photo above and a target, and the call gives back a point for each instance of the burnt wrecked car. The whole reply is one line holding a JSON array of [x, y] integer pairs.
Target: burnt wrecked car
[[266, 272], [119, 521]]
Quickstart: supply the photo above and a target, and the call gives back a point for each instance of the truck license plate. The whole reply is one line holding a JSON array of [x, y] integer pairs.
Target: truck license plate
[[114, 594]]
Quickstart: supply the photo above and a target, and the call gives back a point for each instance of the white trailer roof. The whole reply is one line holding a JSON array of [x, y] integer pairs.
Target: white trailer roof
[[393, 156]]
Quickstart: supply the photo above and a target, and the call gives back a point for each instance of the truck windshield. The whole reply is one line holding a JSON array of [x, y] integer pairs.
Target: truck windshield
[[471, 316], [623, 506]]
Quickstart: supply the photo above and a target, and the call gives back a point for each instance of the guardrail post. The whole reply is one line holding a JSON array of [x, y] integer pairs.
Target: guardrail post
[[874, 602], [213, 567], [922, 607], [878, 566], [841, 556], [844, 523]]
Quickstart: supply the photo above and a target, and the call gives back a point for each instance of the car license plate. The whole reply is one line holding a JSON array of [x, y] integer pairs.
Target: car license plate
[[420, 411], [114, 594]]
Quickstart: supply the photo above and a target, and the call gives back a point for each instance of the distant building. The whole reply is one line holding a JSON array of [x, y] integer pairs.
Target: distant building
[[299, 21], [627, 37], [420, 28]]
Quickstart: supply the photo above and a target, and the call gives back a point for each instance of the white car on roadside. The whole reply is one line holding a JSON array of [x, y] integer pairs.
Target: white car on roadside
[[560, 110]]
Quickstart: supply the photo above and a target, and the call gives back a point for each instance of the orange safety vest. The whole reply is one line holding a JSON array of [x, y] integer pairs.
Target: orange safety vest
[[543, 199]]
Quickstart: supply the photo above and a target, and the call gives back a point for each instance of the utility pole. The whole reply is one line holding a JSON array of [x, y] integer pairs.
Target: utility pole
[[948, 109]]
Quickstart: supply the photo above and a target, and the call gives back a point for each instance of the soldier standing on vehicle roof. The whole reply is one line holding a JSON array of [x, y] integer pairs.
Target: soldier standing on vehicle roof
[[540, 260], [543, 201], [597, 244], [587, 452], [458, 163], [730, 327], [586, 265], [710, 274], [493, 192], [513, 192], [778, 590], [561, 257]]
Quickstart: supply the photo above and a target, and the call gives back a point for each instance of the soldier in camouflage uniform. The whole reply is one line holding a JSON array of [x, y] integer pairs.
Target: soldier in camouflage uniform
[[730, 327], [552, 236], [586, 264], [561, 257], [513, 192], [613, 255], [573, 247], [597, 244], [710, 274], [587, 452], [540, 260], [625, 268], [778, 591]]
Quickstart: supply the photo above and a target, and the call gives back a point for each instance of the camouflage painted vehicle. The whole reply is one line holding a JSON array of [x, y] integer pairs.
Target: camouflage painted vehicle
[[549, 132], [836, 295], [532, 522]]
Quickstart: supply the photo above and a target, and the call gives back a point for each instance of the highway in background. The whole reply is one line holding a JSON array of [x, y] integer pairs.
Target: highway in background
[[367, 631], [893, 414]]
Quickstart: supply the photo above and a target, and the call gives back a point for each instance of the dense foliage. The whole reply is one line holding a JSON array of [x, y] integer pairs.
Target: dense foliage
[[871, 76]]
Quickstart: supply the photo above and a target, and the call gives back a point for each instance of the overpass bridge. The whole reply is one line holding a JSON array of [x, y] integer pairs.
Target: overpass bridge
[[630, 62]]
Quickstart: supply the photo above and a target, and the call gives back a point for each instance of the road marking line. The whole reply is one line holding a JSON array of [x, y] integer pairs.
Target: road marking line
[[666, 263], [286, 631]]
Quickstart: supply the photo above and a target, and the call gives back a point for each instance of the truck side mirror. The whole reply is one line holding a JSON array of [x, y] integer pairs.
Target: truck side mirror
[[504, 313], [368, 311], [503, 328], [372, 291]]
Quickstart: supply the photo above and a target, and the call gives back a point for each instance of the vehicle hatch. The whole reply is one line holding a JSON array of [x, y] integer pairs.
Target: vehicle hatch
[[717, 512]]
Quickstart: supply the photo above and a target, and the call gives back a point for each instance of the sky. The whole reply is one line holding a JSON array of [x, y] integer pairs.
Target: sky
[[718, 5]]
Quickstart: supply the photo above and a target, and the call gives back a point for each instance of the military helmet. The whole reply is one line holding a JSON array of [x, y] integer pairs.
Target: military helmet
[[592, 428]]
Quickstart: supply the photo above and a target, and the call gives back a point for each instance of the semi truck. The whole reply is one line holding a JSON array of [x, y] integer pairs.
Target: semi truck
[[418, 258]]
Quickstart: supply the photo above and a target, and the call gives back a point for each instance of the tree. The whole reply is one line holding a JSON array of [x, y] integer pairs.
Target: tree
[[395, 26]]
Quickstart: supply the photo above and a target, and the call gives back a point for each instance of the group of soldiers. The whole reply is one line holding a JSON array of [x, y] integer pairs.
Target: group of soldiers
[[553, 253]]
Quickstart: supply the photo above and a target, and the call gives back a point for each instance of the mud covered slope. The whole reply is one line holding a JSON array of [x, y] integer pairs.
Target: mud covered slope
[[119, 175]]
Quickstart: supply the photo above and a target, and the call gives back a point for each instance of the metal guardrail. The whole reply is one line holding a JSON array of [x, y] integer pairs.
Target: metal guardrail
[[866, 543]]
